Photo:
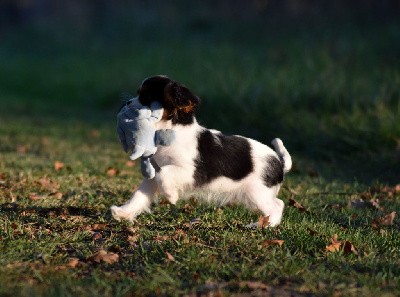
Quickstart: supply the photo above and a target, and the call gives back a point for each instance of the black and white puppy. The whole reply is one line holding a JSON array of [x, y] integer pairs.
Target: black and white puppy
[[238, 169]]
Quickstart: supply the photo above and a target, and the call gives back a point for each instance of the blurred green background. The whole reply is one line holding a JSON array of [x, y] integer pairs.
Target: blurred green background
[[322, 75]]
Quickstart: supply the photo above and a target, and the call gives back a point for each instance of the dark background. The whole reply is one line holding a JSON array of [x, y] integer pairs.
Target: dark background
[[322, 75]]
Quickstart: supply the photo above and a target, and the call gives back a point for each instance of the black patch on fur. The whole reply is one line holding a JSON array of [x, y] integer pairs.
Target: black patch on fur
[[273, 172], [221, 155], [153, 89]]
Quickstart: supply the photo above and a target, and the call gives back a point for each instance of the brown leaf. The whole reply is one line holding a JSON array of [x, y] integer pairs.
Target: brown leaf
[[187, 208], [47, 184], [57, 195], [99, 227], [269, 242], [133, 238], [263, 222], [170, 257], [112, 171], [389, 191], [335, 244], [375, 203], [312, 232], [34, 196], [253, 285], [394, 189], [73, 262], [388, 219], [103, 256], [94, 133], [160, 238], [130, 163], [22, 149], [58, 165], [348, 248], [97, 236], [297, 205]]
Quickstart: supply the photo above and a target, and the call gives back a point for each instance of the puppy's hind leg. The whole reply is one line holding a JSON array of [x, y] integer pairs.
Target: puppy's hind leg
[[264, 198]]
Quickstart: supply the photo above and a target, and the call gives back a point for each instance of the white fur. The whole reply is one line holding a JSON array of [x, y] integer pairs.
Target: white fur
[[176, 176]]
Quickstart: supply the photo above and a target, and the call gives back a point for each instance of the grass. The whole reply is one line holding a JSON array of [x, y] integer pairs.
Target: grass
[[331, 93]]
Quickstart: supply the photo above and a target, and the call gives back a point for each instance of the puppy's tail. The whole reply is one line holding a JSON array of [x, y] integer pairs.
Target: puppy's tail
[[283, 154]]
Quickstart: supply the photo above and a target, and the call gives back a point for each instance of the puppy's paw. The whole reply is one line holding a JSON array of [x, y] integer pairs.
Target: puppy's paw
[[119, 213]]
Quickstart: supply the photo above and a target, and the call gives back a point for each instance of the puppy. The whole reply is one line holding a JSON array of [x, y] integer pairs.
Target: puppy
[[238, 169]]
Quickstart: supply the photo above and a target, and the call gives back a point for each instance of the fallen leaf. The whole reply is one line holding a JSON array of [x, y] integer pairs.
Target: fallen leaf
[[112, 171], [58, 165], [269, 242], [34, 196], [97, 236], [297, 205], [133, 238], [389, 191], [45, 141], [312, 232], [14, 265], [263, 222], [99, 227], [22, 149], [335, 244], [375, 203], [160, 238], [103, 256], [388, 219], [133, 230], [394, 189], [94, 133], [57, 195], [187, 208], [73, 262], [253, 285], [348, 248], [170, 257], [47, 184], [179, 234], [130, 163]]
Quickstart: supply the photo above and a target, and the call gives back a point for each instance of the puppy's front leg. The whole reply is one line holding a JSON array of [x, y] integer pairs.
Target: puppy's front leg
[[171, 179], [139, 202]]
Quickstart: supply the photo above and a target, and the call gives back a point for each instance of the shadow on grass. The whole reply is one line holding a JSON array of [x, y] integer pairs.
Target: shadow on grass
[[13, 209]]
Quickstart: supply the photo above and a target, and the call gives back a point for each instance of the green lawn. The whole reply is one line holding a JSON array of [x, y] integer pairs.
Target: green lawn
[[332, 93]]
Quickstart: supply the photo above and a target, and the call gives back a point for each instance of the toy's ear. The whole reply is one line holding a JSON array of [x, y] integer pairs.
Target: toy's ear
[[180, 99]]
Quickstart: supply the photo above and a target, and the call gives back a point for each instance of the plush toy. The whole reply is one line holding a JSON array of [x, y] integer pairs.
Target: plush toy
[[137, 133]]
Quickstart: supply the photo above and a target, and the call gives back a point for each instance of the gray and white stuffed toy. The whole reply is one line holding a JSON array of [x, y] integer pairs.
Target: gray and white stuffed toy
[[138, 135]]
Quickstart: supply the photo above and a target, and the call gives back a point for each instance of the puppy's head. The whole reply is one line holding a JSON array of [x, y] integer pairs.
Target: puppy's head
[[179, 102]]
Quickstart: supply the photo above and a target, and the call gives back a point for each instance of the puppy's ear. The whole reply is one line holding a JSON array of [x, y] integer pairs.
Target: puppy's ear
[[178, 98]]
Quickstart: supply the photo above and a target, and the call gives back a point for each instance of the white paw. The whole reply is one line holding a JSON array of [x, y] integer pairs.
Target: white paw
[[119, 213], [255, 225]]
